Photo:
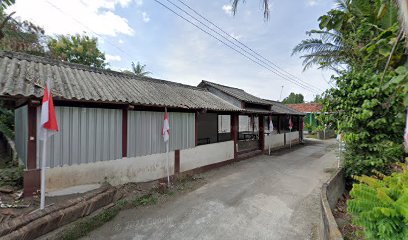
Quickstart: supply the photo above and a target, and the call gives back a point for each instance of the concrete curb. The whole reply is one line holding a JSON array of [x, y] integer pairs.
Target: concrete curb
[[38, 223], [330, 193]]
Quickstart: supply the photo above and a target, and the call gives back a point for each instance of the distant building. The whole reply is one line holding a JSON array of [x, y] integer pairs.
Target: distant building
[[311, 110]]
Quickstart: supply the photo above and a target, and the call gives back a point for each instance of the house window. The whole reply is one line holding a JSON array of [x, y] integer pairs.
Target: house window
[[248, 127], [224, 128], [213, 128]]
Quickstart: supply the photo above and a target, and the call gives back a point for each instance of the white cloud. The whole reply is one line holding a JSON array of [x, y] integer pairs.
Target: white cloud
[[111, 58], [139, 2], [227, 9], [313, 2], [75, 16], [145, 17], [121, 41], [236, 36]]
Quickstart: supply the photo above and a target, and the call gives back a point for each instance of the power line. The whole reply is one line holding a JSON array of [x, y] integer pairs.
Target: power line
[[100, 36], [276, 71], [244, 45], [226, 44]]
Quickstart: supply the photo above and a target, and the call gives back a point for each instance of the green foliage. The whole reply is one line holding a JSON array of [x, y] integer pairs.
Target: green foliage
[[366, 106], [138, 70], [380, 206], [21, 36], [77, 49], [7, 122], [370, 116], [11, 176], [294, 98]]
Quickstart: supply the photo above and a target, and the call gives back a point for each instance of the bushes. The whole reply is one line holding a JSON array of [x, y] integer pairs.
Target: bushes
[[379, 204], [7, 122]]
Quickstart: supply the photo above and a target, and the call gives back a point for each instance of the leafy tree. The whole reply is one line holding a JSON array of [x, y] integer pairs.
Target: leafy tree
[[318, 99], [77, 49], [21, 36], [294, 98], [138, 70]]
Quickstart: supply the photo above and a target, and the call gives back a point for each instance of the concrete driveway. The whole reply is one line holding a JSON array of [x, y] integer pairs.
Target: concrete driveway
[[266, 197]]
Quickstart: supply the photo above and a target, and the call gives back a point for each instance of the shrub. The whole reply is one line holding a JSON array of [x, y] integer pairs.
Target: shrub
[[379, 204]]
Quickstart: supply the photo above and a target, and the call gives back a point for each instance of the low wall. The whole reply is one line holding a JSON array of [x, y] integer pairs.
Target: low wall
[[330, 133], [331, 192], [115, 172], [206, 155], [276, 141], [293, 137]]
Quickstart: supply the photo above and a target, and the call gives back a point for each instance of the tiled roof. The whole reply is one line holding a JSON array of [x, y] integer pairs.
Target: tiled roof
[[24, 75], [235, 92], [278, 107], [306, 107]]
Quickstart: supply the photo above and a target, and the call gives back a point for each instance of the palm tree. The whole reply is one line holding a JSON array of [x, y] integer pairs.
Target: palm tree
[[325, 49], [138, 70], [265, 7]]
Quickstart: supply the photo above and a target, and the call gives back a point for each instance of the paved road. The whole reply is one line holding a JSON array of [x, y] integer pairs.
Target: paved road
[[266, 197]]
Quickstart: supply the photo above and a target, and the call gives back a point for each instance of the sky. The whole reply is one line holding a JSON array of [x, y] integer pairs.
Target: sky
[[173, 49]]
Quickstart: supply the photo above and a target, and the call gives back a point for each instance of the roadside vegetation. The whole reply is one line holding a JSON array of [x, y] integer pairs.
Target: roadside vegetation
[[364, 44]]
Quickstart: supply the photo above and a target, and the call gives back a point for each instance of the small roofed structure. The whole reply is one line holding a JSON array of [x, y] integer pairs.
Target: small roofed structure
[[311, 110], [253, 121]]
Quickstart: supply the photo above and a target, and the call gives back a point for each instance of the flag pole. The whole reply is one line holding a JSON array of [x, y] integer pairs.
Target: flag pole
[[167, 159], [43, 163], [290, 135]]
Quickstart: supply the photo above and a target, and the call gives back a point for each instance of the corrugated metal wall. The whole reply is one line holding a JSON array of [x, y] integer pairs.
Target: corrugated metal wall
[[86, 135], [144, 132], [21, 132]]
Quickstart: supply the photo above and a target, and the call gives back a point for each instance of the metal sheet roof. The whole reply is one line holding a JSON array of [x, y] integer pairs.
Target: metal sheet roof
[[25, 75], [307, 107], [236, 92], [278, 107]]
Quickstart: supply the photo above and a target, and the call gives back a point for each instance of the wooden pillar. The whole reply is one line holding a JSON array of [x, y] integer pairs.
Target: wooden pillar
[[261, 132], [32, 174], [234, 132], [125, 112]]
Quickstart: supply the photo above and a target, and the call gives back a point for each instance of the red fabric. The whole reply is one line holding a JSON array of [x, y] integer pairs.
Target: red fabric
[[290, 123], [52, 124]]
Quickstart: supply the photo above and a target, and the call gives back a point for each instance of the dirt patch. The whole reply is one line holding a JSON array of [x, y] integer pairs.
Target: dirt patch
[[344, 220], [130, 195]]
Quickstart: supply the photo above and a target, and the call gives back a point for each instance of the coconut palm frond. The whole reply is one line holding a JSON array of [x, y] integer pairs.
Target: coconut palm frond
[[327, 36], [265, 4], [315, 46]]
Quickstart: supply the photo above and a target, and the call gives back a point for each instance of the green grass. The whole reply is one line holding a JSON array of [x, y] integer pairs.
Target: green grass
[[86, 225]]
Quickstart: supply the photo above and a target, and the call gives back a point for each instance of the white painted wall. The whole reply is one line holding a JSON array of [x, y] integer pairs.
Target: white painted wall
[[276, 141], [115, 172], [205, 155], [293, 136]]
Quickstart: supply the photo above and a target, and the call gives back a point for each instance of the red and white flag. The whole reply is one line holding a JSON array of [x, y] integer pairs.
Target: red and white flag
[[290, 123], [166, 127], [48, 122]]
